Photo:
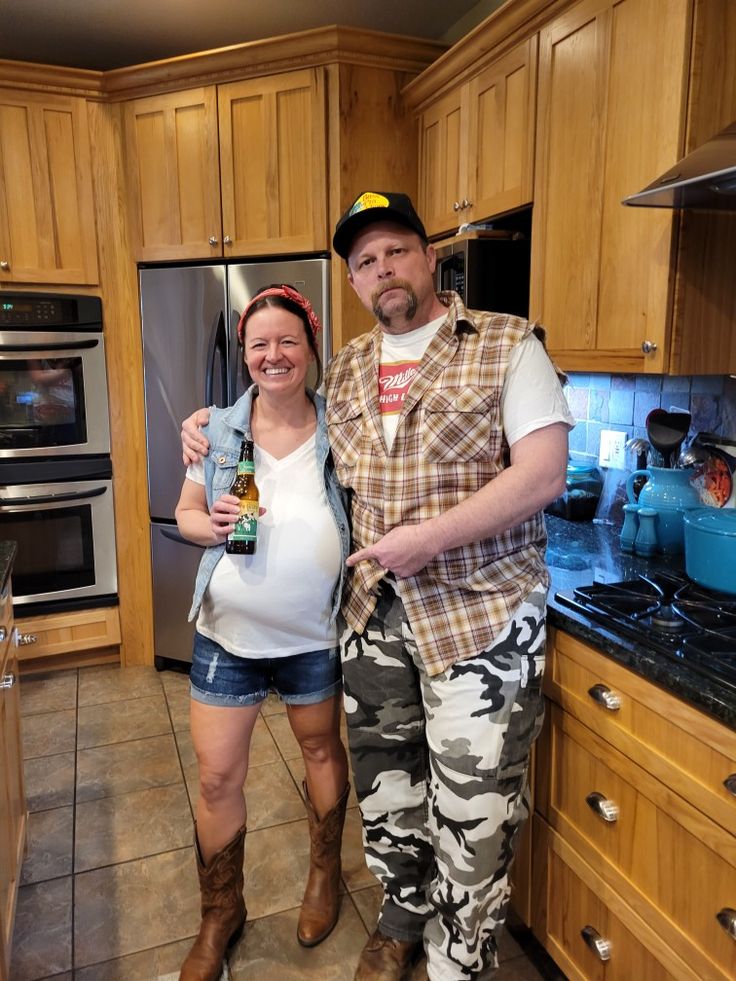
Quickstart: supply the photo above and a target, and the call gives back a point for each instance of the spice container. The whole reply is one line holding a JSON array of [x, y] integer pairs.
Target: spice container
[[582, 493]]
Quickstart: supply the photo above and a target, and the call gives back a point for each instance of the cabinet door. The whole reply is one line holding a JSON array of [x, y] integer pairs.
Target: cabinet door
[[173, 175], [47, 220], [12, 801], [443, 147], [501, 138], [272, 164], [612, 83]]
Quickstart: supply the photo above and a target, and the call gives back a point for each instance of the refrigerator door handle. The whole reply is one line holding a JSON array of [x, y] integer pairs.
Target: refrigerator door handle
[[234, 356], [217, 344], [174, 536]]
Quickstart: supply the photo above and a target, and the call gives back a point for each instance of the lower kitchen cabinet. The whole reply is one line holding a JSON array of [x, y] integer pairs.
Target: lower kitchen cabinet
[[12, 795], [70, 639], [634, 866]]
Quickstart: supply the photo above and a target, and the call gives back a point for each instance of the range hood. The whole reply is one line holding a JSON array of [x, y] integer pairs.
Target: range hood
[[705, 178]]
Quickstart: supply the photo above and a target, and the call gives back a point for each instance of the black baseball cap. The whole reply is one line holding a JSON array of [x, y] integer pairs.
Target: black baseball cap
[[370, 207]]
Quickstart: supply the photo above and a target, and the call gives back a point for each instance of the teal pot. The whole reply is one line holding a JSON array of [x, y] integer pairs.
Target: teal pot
[[710, 547]]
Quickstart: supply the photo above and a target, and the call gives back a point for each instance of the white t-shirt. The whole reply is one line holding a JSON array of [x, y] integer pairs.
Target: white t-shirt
[[278, 602], [531, 398]]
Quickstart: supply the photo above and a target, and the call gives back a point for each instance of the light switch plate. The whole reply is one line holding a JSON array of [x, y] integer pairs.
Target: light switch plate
[[612, 452]]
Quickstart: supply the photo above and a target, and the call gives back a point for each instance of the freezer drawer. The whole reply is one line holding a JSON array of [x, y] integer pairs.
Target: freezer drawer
[[175, 564]]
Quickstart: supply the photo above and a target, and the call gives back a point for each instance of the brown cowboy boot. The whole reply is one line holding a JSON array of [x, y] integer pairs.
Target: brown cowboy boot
[[321, 902], [223, 910], [387, 959]]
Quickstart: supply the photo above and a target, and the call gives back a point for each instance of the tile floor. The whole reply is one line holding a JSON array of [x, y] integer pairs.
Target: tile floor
[[108, 889]]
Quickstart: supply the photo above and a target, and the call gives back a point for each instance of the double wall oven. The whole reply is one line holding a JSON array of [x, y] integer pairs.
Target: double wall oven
[[56, 498]]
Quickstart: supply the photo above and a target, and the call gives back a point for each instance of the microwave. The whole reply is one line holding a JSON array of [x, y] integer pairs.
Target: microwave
[[488, 273]]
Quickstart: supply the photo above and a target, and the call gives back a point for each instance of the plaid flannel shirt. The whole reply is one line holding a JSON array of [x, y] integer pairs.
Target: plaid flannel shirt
[[448, 445]]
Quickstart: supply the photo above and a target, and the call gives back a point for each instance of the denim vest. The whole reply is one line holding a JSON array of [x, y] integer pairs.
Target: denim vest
[[225, 433]]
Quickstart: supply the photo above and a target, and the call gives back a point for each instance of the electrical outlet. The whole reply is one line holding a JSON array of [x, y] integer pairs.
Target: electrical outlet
[[612, 451]]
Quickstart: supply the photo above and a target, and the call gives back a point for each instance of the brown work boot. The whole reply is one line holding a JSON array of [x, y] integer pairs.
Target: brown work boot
[[223, 910], [321, 903], [387, 959]]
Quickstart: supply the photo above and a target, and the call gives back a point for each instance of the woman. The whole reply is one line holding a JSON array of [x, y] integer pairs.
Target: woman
[[267, 621]]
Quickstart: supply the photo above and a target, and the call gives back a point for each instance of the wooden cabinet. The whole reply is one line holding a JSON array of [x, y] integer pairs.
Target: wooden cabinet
[[615, 102], [477, 142], [235, 169], [74, 638], [12, 796], [635, 830], [47, 218]]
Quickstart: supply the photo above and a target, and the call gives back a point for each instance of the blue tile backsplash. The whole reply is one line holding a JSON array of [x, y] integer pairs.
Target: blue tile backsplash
[[622, 402]]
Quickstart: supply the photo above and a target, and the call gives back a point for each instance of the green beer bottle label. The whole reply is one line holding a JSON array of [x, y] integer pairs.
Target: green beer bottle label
[[246, 466], [246, 527]]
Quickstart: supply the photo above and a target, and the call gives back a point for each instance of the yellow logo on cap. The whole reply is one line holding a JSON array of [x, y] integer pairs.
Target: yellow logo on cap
[[369, 200]]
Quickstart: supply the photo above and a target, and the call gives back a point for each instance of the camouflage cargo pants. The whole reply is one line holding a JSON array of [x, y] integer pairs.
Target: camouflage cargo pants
[[440, 768]]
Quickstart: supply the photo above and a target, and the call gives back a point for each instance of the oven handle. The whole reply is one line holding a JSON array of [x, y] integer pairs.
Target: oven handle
[[53, 498], [52, 346]]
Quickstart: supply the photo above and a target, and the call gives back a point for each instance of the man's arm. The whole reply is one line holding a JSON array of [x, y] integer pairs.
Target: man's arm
[[193, 444], [535, 477]]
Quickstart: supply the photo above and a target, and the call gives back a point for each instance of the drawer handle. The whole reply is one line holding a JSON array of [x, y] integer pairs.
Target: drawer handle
[[3, 634], [7, 681], [603, 807], [22, 639], [600, 947], [727, 918], [605, 697], [730, 784]]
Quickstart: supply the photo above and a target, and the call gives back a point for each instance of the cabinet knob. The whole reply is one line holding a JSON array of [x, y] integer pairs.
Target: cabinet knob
[[605, 697], [727, 918], [227, 240], [466, 204], [22, 639], [7, 681], [4, 265], [648, 347], [3, 634], [600, 947], [603, 807], [213, 240], [730, 783], [456, 206]]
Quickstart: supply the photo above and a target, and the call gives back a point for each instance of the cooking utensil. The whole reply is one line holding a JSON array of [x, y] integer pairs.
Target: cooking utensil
[[710, 547], [693, 456], [667, 432]]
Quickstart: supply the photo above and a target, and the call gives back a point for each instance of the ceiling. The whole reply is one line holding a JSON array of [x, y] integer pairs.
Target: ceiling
[[105, 34]]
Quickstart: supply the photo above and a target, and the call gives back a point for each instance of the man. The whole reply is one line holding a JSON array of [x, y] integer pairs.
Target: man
[[450, 428]]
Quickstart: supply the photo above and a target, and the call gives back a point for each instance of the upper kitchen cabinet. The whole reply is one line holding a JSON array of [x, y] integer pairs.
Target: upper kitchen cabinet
[[616, 98], [477, 143], [237, 169], [47, 216], [174, 175]]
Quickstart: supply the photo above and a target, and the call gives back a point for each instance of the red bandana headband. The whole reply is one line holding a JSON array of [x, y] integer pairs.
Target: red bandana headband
[[289, 293]]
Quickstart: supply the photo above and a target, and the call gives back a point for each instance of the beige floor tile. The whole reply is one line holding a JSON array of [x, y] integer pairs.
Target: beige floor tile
[[49, 734], [276, 865], [518, 969], [40, 953], [273, 706], [52, 692], [131, 826], [49, 781], [368, 902], [148, 965], [49, 845], [174, 680], [123, 909], [271, 796], [137, 718], [269, 950], [124, 767], [178, 702], [278, 726], [355, 872], [105, 684]]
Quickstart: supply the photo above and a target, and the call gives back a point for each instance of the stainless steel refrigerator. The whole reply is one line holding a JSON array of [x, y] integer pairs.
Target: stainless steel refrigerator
[[189, 315]]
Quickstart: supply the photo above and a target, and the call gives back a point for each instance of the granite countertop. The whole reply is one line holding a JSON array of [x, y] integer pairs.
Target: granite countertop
[[7, 555], [581, 553]]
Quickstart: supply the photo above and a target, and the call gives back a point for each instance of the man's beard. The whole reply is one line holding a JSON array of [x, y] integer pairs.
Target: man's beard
[[412, 300]]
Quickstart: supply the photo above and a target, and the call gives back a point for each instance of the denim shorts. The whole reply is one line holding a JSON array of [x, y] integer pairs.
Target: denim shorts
[[220, 678]]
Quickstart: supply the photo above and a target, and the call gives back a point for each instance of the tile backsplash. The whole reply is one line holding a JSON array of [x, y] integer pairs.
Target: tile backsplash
[[622, 402]]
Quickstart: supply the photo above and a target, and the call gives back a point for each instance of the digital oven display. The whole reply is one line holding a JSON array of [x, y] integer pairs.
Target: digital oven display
[[17, 313]]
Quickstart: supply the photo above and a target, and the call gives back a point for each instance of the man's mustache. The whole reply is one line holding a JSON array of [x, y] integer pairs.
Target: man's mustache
[[391, 284]]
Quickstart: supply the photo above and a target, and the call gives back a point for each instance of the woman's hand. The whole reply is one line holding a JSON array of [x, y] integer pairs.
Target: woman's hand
[[193, 444], [223, 516]]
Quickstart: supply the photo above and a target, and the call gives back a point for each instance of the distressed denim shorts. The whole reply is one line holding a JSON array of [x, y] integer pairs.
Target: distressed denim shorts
[[220, 678]]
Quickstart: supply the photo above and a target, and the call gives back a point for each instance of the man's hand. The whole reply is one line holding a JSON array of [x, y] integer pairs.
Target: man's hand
[[404, 550], [193, 444]]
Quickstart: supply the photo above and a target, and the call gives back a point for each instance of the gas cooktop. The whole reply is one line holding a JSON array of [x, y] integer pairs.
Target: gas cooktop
[[668, 613]]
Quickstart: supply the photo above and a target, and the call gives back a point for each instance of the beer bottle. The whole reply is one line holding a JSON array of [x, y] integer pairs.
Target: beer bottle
[[242, 539]]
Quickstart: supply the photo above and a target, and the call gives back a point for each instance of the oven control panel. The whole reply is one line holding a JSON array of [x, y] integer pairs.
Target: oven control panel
[[43, 310]]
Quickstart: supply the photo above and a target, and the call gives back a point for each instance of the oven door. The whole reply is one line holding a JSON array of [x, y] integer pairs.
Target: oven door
[[53, 394], [65, 534]]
